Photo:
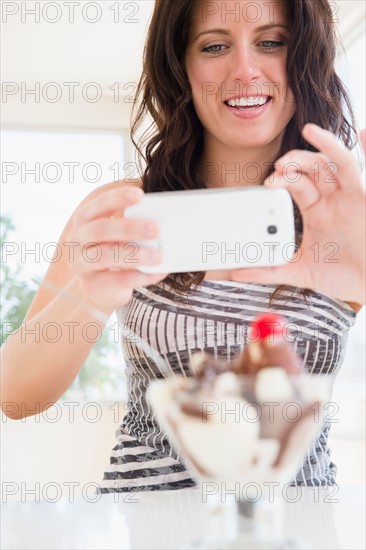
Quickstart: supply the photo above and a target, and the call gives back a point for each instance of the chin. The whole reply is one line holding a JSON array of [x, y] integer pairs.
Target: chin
[[249, 141]]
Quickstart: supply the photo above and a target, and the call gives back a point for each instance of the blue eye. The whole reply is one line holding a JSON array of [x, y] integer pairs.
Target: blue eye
[[213, 49], [267, 45], [271, 44]]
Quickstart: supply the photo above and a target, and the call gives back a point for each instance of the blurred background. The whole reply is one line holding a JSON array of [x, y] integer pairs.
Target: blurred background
[[69, 73]]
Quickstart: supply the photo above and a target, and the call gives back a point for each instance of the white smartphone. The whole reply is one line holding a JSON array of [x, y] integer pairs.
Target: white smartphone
[[226, 228]]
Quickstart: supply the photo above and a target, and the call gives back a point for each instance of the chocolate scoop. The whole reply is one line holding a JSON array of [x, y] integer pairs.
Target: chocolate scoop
[[207, 367], [269, 349]]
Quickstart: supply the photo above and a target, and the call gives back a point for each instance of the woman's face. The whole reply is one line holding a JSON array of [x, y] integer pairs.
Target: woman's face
[[237, 51]]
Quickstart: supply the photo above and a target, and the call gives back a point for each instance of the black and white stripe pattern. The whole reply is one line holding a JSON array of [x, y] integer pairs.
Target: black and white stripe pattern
[[215, 321]]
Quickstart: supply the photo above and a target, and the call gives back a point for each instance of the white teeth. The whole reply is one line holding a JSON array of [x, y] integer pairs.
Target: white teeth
[[247, 101]]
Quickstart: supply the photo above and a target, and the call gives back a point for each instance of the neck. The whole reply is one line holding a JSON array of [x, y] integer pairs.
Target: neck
[[223, 166]]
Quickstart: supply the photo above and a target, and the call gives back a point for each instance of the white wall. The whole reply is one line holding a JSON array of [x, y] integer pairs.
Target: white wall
[[62, 445]]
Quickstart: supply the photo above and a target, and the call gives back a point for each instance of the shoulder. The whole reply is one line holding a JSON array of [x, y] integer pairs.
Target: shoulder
[[356, 307]]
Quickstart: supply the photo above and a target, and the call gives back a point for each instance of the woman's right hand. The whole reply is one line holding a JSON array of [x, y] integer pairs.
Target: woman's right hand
[[105, 260]]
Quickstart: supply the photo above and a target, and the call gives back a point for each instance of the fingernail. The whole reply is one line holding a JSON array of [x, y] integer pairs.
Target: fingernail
[[132, 194], [314, 127], [273, 180]]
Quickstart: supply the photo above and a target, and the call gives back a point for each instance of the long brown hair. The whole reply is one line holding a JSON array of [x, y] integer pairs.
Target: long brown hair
[[174, 141]]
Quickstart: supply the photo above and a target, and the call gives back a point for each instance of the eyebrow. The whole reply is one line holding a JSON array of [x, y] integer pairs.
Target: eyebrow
[[226, 32]]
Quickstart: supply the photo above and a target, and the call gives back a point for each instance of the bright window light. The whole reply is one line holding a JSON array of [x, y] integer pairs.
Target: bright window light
[[45, 175]]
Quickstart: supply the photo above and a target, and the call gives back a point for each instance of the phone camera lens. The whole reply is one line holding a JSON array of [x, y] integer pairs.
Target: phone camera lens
[[272, 229]]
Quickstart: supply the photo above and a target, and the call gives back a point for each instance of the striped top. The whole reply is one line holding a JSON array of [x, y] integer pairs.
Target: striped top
[[215, 320]]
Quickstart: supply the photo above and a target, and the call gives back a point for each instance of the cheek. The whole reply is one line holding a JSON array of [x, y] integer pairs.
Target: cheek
[[205, 80], [286, 92], [196, 82], [200, 83], [289, 101]]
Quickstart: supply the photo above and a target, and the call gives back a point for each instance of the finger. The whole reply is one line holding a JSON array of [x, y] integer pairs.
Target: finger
[[327, 143], [108, 203], [316, 166], [303, 190], [117, 257], [104, 230], [363, 140]]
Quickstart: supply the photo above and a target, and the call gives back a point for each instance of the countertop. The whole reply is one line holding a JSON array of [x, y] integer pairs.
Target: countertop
[[332, 518]]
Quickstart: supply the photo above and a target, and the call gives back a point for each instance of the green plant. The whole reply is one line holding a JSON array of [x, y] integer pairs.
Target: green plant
[[101, 376]]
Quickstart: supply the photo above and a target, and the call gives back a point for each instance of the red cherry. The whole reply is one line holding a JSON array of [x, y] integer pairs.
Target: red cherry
[[267, 325]]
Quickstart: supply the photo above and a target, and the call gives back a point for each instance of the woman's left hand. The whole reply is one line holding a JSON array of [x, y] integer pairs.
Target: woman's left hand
[[332, 201]]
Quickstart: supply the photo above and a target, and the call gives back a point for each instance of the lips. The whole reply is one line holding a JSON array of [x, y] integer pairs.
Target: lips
[[247, 103], [249, 112]]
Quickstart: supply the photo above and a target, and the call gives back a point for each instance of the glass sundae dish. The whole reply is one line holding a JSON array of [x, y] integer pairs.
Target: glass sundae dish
[[242, 426]]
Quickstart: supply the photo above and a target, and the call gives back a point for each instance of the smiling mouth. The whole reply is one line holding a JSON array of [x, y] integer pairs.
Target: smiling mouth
[[245, 105]]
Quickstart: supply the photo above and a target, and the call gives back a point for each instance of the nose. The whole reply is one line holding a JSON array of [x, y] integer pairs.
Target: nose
[[245, 64]]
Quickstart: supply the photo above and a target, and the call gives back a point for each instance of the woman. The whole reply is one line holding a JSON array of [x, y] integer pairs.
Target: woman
[[201, 57]]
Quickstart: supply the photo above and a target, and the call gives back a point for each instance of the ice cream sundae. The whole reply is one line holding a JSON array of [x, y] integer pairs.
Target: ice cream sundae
[[248, 420]]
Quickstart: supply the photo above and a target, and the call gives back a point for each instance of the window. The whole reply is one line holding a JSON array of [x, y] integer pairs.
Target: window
[[45, 176], [353, 73]]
